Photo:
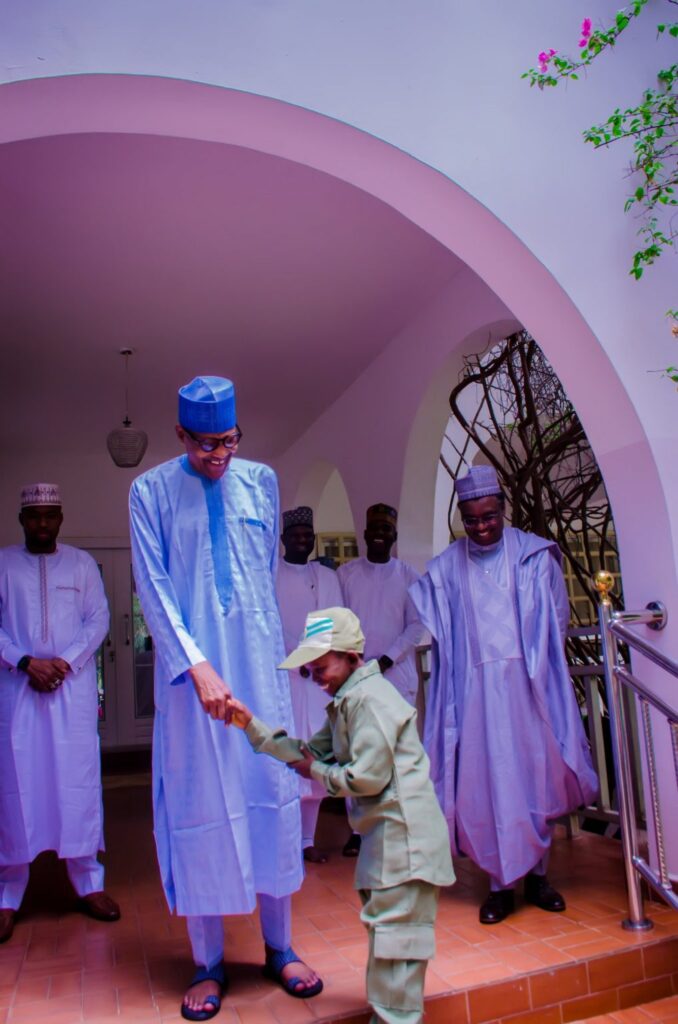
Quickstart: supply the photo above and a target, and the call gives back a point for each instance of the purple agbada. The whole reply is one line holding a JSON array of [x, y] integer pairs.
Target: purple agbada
[[503, 731]]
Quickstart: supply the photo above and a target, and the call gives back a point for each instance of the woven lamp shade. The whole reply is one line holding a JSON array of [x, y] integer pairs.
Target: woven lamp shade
[[127, 445]]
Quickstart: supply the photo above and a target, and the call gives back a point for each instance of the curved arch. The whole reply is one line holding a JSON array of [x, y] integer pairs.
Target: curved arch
[[322, 483], [312, 483], [161, 106]]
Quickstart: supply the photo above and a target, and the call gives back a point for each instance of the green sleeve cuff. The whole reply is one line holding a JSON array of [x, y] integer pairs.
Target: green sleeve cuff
[[319, 772], [258, 732]]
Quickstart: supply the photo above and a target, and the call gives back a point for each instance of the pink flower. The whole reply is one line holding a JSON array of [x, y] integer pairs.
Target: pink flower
[[585, 32], [544, 57]]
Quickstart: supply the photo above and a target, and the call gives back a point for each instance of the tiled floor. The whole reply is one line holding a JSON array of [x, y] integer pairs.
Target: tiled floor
[[664, 1010], [63, 968]]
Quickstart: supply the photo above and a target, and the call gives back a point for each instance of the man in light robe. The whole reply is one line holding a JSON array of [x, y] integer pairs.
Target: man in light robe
[[503, 731], [227, 824], [376, 588], [303, 587], [53, 617]]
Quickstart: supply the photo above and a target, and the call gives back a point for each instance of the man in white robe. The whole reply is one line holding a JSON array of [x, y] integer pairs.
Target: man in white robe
[[303, 587], [376, 588], [53, 617], [227, 825], [503, 731]]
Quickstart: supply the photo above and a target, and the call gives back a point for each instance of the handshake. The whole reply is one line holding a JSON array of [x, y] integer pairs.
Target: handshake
[[237, 713]]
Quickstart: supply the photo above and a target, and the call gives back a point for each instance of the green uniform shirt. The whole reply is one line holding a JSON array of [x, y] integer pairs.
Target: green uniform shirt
[[369, 750]]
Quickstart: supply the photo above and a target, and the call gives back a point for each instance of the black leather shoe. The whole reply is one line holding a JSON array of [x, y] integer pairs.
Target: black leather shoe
[[7, 919], [100, 906], [543, 895], [352, 845], [497, 906]]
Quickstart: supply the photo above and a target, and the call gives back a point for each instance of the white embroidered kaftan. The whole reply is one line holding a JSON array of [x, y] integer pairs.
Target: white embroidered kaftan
[[302, 589], [377, 593], [51, 606]]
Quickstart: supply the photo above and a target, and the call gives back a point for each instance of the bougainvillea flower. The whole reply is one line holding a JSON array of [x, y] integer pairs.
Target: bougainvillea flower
[[544, 57]]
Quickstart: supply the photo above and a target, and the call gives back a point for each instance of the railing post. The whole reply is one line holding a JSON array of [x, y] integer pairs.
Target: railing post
[[636, 920]]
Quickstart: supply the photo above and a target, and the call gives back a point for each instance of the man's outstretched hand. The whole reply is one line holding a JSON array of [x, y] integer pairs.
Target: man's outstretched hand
[[213, 693]]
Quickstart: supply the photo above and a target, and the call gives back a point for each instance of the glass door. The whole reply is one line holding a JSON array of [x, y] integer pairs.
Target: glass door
[[125, 659]]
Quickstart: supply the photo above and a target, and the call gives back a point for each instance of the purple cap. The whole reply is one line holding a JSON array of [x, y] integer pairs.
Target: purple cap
[[479, 482]]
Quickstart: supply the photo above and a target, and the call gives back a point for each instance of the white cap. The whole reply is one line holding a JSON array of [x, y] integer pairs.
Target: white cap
[[40, 494], [332, 629]]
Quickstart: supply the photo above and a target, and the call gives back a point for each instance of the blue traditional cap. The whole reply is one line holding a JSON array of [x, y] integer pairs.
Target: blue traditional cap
[[300, 516], [479, 482], [207, 405]]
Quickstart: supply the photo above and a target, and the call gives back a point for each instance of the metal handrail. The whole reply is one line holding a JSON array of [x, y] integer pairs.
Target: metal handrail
[[614, 625]]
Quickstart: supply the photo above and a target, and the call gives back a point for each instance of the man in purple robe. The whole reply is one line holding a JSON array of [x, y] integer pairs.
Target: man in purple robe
[[503, 731]]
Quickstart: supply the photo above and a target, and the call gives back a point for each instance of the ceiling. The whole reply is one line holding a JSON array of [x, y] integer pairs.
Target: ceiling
[[204, 258]]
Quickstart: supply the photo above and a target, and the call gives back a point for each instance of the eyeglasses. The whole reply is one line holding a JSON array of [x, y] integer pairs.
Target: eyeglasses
[[473, 521], [210, 444]]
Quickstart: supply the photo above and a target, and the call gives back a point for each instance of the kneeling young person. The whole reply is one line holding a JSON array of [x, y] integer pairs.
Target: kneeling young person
[[369, 750]]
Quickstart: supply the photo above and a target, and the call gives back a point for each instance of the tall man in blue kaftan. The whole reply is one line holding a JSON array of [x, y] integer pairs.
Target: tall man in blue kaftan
[[503, 731], [204, 546], [53, 617]]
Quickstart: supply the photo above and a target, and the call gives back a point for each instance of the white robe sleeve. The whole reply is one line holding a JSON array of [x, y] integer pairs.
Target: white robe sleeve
[[94, 623], [10, 654], [414, 630]]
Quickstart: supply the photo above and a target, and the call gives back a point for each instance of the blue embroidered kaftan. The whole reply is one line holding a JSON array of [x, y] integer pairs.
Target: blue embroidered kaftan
[[226, 822], [503, 731]]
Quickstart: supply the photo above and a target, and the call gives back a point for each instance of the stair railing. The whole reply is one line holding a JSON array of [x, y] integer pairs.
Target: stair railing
[[614, 626]]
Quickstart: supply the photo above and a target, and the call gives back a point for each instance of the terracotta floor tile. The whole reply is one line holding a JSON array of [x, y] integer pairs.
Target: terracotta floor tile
[[100, 1003], [51, 1010], [30, 990], [255, 1015], [547, 954], [68, 984], [136, 970], [663, 1009]]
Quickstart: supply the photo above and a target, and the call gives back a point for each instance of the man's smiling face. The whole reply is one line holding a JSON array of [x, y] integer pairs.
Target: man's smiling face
[[211, 464]]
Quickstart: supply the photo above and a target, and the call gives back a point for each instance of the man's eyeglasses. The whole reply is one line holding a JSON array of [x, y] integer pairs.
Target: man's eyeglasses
[[473, 521], [210, 444]]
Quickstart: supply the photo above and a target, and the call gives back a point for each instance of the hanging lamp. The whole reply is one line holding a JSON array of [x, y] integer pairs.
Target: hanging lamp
[[126, 444]]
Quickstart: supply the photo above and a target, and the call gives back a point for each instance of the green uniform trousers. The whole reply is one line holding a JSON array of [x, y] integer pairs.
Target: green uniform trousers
[[400, 923]]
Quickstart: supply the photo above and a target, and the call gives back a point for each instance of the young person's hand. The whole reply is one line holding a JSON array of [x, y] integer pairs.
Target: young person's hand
[[237, 714], [303, 766]]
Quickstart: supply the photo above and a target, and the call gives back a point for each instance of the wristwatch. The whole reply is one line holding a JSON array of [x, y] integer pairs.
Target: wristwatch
[[23, 663]]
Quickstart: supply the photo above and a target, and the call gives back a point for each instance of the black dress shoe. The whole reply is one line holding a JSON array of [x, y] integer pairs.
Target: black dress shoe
[[497, 906], [543, 895], [100, 906], [352, 845], [7, 919]]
